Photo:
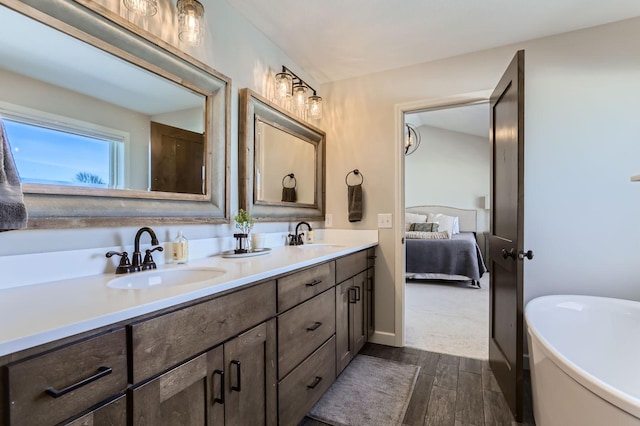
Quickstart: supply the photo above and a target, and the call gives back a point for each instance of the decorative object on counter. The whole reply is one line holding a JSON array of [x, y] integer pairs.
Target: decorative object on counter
[[288, 85], [248, 253], [190, 21], [411, 139], [258, 241], [244, 222], [142, 7], [354, 197], [289, 192], [180, 249], [13, 213], [137, 264]]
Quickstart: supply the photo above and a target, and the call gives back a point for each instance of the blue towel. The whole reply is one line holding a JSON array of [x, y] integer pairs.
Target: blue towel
[[13, 213]]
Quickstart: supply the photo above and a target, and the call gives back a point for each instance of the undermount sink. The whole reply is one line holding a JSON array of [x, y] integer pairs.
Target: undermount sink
[[164, 278], [319, 246]]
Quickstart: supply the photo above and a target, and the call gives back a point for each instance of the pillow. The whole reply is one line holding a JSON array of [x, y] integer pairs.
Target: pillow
[[410, 218], [456, 225], [417, 235], [445, 223], [424, 227]]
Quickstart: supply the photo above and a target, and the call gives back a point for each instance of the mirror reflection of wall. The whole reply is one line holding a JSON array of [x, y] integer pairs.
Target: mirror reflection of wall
[[278, 153], [79, 116]]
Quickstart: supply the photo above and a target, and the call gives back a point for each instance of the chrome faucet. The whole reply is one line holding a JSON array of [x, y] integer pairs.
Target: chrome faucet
[[296, 239], [137, 264]]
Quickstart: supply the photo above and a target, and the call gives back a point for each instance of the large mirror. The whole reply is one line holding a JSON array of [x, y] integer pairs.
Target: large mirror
[[107, 126], [282, 162]]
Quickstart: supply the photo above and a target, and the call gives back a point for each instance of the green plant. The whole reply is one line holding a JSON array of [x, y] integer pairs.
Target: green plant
[[244, 221]]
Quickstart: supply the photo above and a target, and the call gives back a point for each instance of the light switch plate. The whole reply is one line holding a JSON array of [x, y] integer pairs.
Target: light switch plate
[[328, 220], [385, 220]]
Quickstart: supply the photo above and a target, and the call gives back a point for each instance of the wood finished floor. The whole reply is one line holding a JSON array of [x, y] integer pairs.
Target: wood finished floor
[[450, 391]]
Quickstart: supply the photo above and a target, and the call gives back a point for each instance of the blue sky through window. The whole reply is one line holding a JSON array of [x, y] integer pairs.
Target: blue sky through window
[[44, 155]]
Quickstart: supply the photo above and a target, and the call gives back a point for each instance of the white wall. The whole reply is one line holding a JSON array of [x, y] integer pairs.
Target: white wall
[[582, 136], [449, 169], [231, 46]]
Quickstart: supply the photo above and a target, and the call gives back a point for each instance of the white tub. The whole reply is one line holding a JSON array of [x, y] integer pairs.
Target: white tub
[[585, 360]]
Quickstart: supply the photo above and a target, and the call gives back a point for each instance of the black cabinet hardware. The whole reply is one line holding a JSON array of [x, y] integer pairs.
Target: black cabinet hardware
[[219, 400], [102, 371], [315, 383], [314, 326], [238, 386], [314, 283]]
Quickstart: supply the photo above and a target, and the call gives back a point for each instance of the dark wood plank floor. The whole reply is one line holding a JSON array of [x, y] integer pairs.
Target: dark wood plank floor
[[450, 391]]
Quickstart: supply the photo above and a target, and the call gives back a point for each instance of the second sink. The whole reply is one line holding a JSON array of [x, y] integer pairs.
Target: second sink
[[165, 278]]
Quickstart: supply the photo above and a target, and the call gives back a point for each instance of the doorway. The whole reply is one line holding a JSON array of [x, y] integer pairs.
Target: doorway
[[447, 173]]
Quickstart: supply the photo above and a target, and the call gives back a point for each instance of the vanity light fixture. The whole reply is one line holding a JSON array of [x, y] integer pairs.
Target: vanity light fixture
[[190, 21], [411, 139], [288, 84], [142, 7]]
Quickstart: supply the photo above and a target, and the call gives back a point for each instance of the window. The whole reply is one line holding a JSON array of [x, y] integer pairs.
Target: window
[[50, 151]]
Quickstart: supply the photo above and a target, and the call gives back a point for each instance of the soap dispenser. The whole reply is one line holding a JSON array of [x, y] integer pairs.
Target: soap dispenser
[[180, 249]]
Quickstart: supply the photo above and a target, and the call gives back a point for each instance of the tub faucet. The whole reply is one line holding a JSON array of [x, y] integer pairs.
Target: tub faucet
[[296, 239], [136, 263]]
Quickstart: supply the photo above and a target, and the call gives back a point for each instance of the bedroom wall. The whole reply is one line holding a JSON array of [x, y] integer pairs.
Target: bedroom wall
[[227, 34], [449, 169], [582, 215]]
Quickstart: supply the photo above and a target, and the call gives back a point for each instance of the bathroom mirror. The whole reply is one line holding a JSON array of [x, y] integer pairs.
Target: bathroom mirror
[[282, 162], [109, 126]]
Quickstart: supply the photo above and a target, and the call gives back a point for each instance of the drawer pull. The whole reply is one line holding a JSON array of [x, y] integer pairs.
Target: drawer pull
[[371, 257], [314, 327], [238, 387], [315, 383], [219, 400], [357, 293], [102, 371], [313, 283]]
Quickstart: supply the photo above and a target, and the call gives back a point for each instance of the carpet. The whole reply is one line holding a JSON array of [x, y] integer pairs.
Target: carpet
[[450, 318], [369, 392]]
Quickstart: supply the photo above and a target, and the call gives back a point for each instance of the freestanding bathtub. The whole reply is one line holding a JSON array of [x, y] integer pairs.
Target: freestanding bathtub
[[585, 360]]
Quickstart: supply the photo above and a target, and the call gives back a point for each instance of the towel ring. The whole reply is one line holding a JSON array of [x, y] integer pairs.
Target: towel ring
[[290, 176], [355, 172]]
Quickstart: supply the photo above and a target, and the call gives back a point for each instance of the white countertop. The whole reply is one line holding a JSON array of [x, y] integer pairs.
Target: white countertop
[[35, 314]]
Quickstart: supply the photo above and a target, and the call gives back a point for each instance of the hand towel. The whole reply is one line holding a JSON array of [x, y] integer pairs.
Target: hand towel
[[355, 202], [13, 213], [289, 194]]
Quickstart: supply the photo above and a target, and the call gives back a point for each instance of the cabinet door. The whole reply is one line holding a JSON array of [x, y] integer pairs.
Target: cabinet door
[[369, 305], [189, 394], [345, 297], [112, 414], [357, 316], [250, 375]]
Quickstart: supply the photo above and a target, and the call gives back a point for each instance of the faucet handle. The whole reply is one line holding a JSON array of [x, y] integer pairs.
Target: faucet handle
[[125, 265], [148, 262]]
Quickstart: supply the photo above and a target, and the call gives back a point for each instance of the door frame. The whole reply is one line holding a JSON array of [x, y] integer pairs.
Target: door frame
[[398, 213]]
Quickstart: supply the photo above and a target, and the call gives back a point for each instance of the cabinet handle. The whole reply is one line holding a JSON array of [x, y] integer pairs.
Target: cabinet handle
[[357, 293], [371, 257], [315, 383], [102, 371], [313, 283], [221, 399], [238, 377], [352, 292], [314, 326]]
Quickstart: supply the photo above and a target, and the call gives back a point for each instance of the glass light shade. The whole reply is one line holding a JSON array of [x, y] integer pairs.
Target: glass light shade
[[142, 7], [315, 107], [411, 139], [190, 21], [299, 95], [283, 84]]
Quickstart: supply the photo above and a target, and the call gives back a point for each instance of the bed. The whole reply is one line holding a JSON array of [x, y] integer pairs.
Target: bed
[[457, 258]]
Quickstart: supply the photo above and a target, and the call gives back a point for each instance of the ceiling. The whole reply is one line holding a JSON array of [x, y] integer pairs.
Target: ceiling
[[339, 39]]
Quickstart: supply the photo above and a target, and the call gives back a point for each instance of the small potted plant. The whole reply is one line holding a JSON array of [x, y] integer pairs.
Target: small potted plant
[[244, 222]]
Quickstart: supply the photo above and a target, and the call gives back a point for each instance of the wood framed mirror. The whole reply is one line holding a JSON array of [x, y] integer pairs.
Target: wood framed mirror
[[281, 164], [149, 124]]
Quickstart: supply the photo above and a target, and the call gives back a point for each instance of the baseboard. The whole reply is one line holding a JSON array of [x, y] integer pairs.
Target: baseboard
[[383, 338]]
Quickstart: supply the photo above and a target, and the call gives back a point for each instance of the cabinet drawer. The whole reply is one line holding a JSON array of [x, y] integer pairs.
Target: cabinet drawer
[[302, 329], [112, 414], [52, 387], [350, 265], [162, 342], [301, 389], [303, 285]]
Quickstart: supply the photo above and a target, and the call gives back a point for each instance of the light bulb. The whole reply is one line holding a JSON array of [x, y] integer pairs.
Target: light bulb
[[300, 95]]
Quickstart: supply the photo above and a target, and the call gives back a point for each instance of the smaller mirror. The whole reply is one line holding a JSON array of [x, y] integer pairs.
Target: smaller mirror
[[281, 163]]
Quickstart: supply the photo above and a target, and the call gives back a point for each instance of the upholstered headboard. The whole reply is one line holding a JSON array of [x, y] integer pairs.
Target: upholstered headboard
[[468, 218]]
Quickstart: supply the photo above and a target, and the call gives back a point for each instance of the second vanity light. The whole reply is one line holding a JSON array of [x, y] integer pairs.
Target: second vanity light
[[289, 85]]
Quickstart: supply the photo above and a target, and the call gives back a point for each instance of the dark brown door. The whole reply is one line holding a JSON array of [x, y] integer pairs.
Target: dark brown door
[[507, 229], [177, 160]]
